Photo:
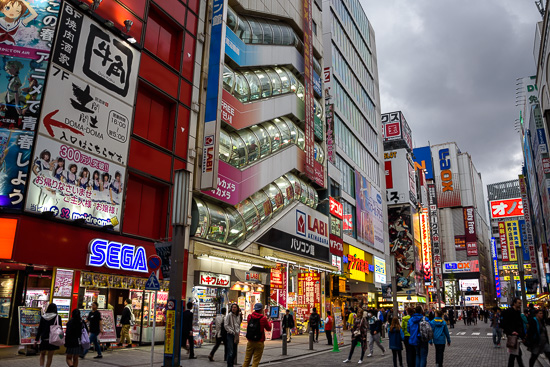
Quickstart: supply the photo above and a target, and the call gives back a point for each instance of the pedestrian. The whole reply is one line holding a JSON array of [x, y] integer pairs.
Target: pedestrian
[[375, 328], [221, 336], [329, 322], [441, 334], [475, 315], [410, 353], [431, 315], [232, 324], [497, 328], [358, 335], [421, 346], [96, 328], [187, 329], [452, 319], [73, 336], [127, 320], [525, 319], [255, 334], [512, 324], [396, 336], [43, 334], [537, 337], [287, 325], [314, 323], [347, 312], [351, 318], [382, 317]]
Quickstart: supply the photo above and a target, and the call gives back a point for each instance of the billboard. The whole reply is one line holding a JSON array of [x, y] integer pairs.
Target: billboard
[[309, 122], [446, 175], [460, 243], [330, 142], [494, 260], [395, 127], [513, 238], [364, 214], [506, 208], [528, 242], [434, 229], [423, 161], [503, 241], [400, 177], [461, 267], [212, 120], [79, 167], [402, 244], [470, 231], [426, 245], [25, 50], [469, 285]]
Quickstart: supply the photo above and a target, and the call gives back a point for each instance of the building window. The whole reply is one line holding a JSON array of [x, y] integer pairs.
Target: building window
[[163, 38], [349, 219], [314, 27]]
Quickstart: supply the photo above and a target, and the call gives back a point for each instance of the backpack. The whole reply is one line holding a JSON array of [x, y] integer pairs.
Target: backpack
[[426, 332], [254, 329]]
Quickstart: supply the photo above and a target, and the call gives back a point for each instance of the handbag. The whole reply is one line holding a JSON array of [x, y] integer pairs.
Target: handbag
[[512, 342], [57, 336], [85, 339]]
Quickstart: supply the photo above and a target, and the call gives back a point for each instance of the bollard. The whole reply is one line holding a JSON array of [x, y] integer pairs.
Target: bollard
[[311, 340], [284, 344]]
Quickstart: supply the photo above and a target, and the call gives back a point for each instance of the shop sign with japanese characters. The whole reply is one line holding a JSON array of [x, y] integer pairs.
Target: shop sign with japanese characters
[[215, 280]]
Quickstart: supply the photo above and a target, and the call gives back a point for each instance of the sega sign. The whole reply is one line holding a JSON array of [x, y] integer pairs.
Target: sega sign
[[461, 267], [336, 208], [115, 255]]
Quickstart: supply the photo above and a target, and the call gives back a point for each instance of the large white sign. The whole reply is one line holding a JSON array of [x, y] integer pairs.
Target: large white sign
[[473, 300], [399, 170], [379, 270], [306, 223], [447, 181], [469, 285]]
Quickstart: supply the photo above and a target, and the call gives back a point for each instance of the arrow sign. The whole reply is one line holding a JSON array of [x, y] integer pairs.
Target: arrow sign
[[152, 283], [48, 122]]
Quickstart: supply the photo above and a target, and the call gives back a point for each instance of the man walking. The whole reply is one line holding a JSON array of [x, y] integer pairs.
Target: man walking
[[187, 329], [221, 336], [415, 339], [314, 323], [375, 327], [513, 327], [328, 327], [410, 352], [255, 334], [126, 320], [496, 325], [288, 325], [96, 328]]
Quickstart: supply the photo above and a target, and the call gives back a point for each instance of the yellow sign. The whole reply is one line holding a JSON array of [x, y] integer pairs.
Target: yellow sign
[[359, 255], [513, 237], [515, 267], [516, 277], [169, 332]]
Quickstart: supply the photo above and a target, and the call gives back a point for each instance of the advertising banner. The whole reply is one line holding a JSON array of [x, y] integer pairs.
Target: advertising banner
[[473, 300], [379, 270], [74, 185], [506, 208], [503, 241], [330, 142], [276, 278], [15, 160], [29, 319], [528, 243], [434, 226], [446, 175], [494, 257], [469, 285], [339, 324], [399, 167], [461, 267], [426, 245], [460, 243], [423, 161], [63, 284], [365, 226], [470, 231], [309, 294], [401, 244], [513, 238], [109, 327], [336, 246], [395, 127], [308, 85], [212, 120]]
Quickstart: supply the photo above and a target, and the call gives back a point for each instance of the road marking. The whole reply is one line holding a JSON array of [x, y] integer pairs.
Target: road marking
[[461, 333], [489, 334], [475, 333]]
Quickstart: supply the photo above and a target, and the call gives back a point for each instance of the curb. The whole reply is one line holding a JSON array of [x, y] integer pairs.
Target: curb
[[285, 358]]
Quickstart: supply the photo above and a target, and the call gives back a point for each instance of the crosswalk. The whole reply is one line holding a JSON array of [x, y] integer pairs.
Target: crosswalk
[[474, 333]]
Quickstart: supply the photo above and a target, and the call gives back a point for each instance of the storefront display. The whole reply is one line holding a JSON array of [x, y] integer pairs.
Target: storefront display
[[29, 319], [6, 290], [37, 298], [209, 301], [108, 321], [63, 309]]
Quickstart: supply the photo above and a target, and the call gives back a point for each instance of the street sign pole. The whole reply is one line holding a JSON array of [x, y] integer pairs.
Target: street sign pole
[[154, 263], [154, 326]]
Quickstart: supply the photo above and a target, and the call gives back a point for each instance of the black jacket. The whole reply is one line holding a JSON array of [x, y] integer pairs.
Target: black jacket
[[74, 332], [512, 322], [288, 321], [43, 332], [126, 316], [314, 320], [533, 333], [186, 321]]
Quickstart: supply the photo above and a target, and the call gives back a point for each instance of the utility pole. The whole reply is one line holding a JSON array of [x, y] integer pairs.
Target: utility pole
[[394, 285], [519, 252]]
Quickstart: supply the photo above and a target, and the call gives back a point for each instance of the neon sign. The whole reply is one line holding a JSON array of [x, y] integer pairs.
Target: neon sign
[[115, 255]]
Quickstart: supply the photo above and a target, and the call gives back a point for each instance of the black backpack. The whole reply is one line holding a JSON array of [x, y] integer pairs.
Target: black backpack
[[254, 329]]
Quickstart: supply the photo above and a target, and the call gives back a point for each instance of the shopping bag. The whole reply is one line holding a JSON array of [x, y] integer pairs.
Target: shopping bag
[[57, 337], [512, 342], [85, 339]]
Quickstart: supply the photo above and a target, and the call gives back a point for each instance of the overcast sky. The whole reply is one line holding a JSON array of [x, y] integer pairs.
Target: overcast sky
[[451, 67]]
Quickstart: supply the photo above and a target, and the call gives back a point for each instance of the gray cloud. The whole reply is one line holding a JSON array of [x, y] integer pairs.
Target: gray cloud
[[451, 67]]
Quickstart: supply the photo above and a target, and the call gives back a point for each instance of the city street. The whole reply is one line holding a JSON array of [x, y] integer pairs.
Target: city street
[[470, 346]]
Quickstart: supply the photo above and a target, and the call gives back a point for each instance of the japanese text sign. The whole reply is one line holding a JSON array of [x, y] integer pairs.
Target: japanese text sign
[[506, 208], [217, 280], [513, 238]]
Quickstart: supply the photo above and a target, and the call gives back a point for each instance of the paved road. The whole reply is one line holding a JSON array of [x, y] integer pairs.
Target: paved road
[[471, 346]]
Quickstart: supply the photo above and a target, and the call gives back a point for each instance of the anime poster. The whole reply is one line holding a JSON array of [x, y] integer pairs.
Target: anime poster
[[73, 185], [27, 27], [63, 285], [15, 156], [402, 245]]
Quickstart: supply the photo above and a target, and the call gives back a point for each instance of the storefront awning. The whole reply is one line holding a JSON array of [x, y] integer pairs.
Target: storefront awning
[[204, 249], [301, 261]]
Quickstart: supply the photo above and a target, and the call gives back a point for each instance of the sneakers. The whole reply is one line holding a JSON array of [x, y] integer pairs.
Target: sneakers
[[346, 361], [360, 361], [97, 357], [370, 355]]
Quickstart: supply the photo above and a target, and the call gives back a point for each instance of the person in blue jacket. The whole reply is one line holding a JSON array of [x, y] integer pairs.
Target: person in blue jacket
[[441, 335], [396, 336], [414, 330]]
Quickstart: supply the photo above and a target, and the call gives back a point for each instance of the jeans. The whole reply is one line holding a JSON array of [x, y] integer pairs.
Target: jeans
[[256, 350], [329, 336], [421, 354], [439, 350], [231, 350], [410, 353], [219, 341], [354, 342], [497, 335], [513, 357], [375, 339], [534, 358], [95, 342], [397, 354]]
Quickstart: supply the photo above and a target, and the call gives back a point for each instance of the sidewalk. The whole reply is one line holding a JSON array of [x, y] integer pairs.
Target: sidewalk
[[141, 356]]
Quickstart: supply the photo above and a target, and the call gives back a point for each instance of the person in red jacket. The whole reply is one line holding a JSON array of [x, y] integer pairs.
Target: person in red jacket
[[255, 334], [329, 322]]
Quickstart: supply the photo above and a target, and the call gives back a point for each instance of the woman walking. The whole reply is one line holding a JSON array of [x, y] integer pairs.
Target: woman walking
[[441, 334], [397, 336], [537, 338], [72, 338], [359, 332], [232, 324], [43, 334]]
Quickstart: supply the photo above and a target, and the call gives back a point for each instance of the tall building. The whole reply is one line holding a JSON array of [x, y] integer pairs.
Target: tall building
[[354, 148]]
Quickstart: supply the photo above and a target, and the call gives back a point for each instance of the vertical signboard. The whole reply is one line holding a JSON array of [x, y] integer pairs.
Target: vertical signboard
[[495, 266], [529, 241], [401, 244], [330, 142], [83, 136], [25, 49], [212, 120], [309, 294], [365, 229], [503, 241], [513, 238], [470, 231], [446, 175], [436, 246], [400, 177], [426, 245], [308, 84]]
